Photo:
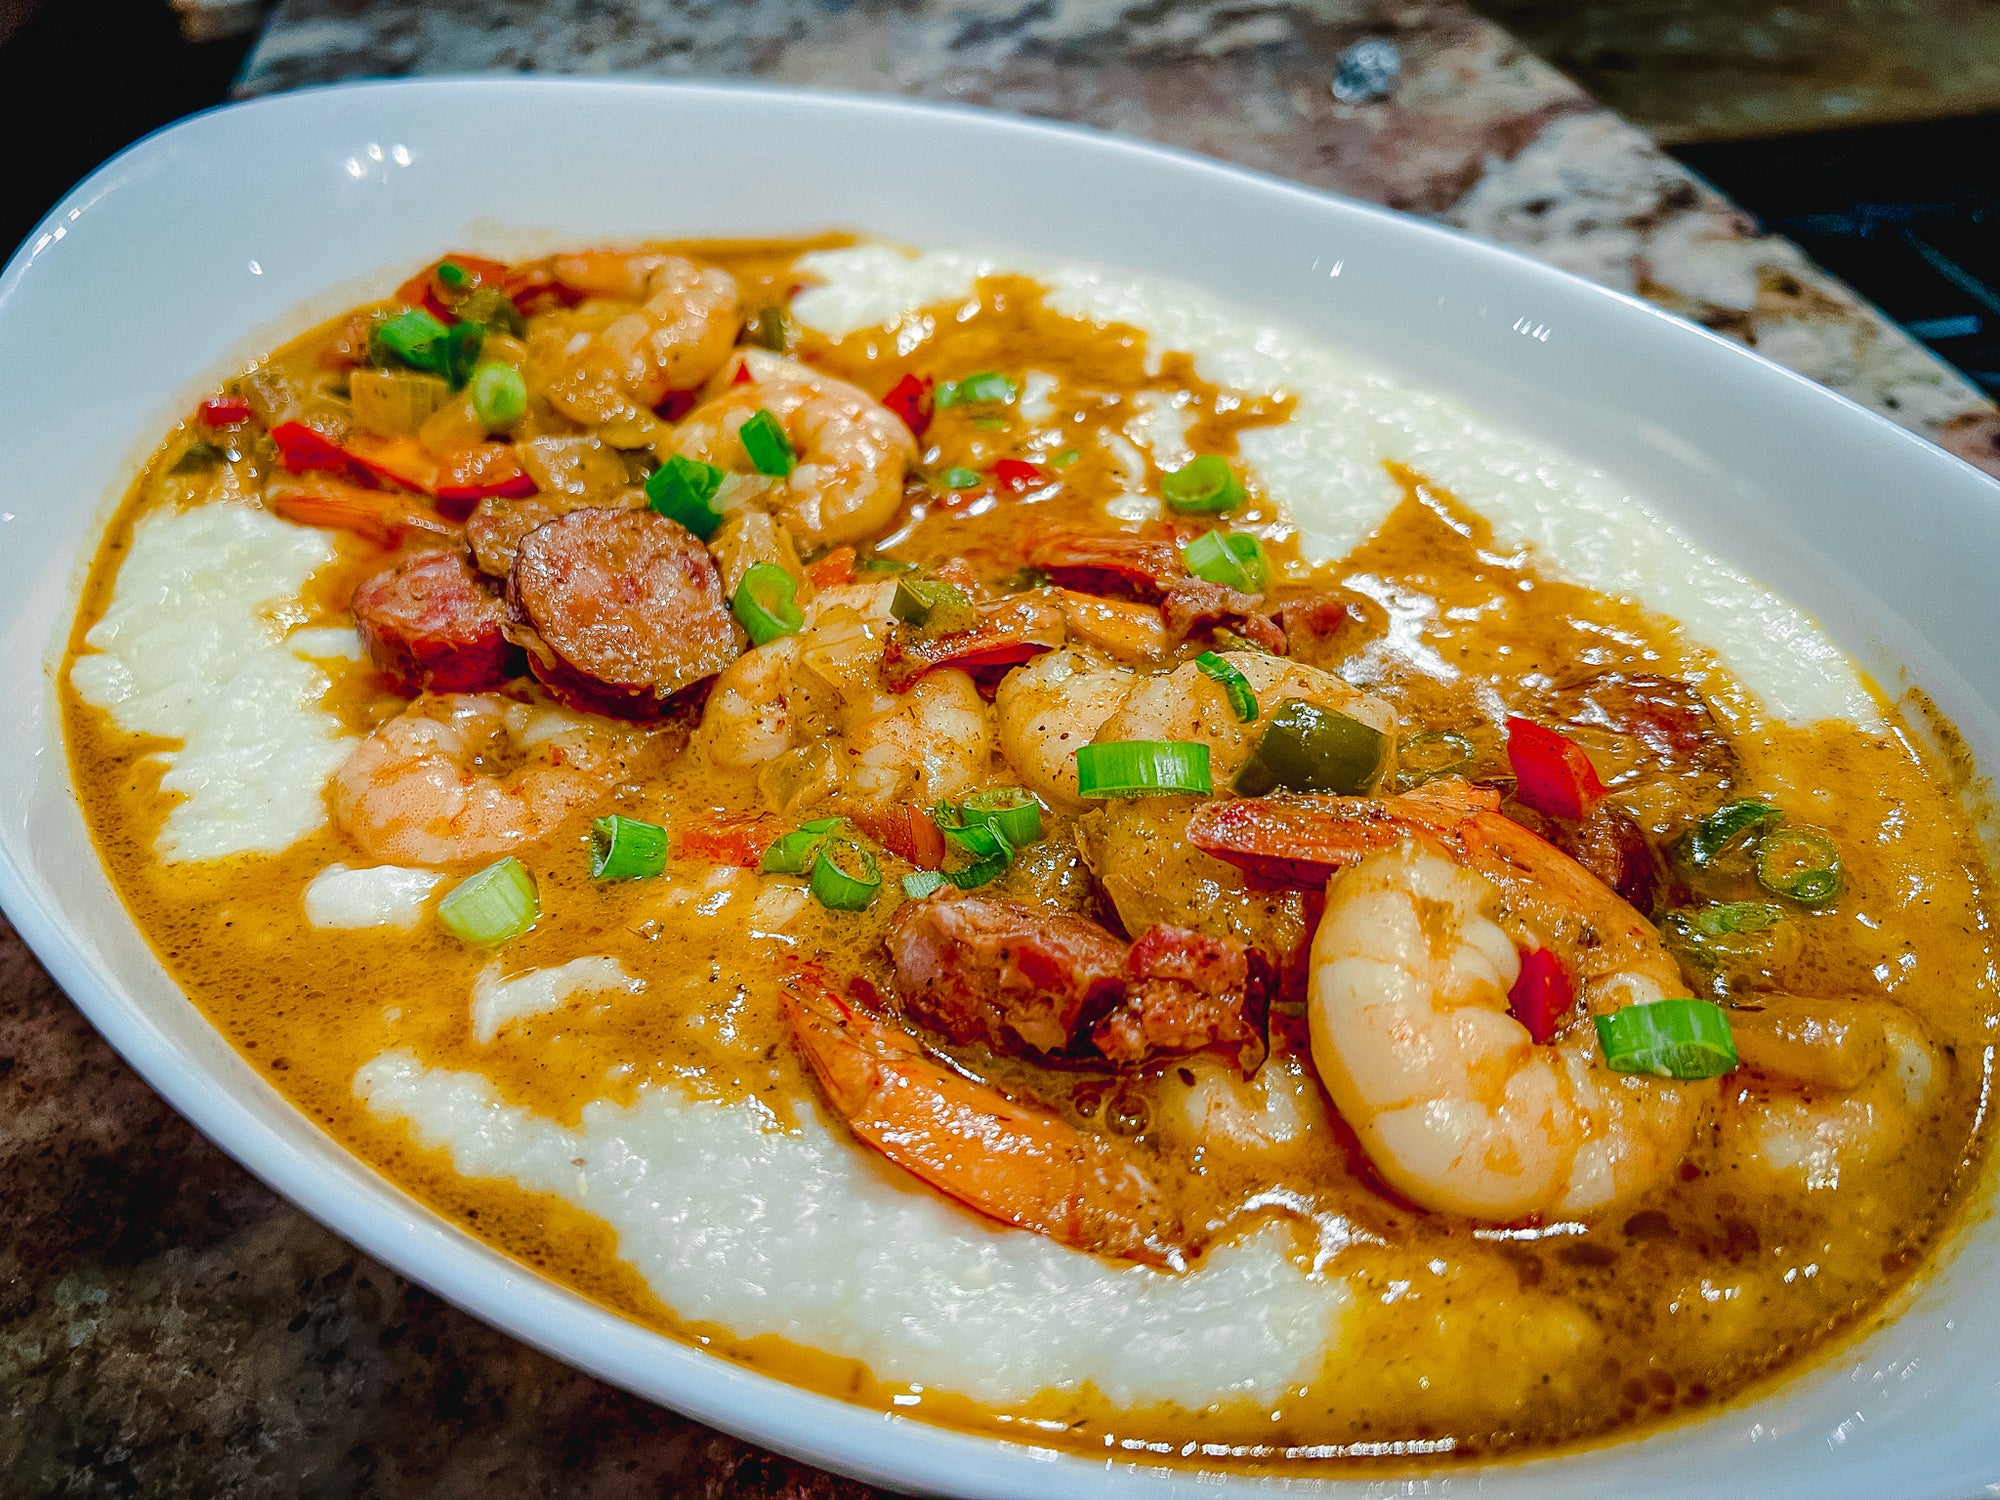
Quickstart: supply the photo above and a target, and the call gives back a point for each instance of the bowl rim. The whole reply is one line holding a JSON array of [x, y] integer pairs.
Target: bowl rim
[[417, 1242]]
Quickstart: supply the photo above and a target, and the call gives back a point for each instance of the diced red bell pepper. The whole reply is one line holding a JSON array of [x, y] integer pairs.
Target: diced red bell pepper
[[472, 474], [1543, 995], [906, 832], [675, 405], [832, 570], [1017, 474], [1551, 773], [911, 398], [225, 411], [425, 290], [739, 841], [305, 449]]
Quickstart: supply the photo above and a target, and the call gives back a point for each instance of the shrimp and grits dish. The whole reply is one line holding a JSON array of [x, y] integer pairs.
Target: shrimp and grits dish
[[1010, 843]]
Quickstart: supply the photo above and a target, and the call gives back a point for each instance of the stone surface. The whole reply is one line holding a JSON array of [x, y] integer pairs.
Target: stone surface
[[167, 1326]]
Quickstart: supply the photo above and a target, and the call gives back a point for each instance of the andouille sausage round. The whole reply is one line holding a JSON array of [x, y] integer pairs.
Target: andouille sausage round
[[431, 624], [618, 610]]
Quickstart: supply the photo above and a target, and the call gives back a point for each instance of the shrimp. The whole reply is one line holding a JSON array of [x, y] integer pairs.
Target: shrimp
[[852, 452], [1049, 709], [1833, 1086], [808, 713], [1455, 1104], [417, 790], [1187, 704], [1009, 1161], [681, 333]]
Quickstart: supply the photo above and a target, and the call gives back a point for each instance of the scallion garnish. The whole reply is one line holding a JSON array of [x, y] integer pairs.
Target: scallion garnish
[[1241, 698], [764, 441], [960, 479], [1728, 918], [1307, 748], [1431, 753], [1204, 486], [974, 390], [461, 351], [1143, 768], [452, 274], [765, 603], [624, 848], [1065, 458], [492, 906], [920, 883], [1009, 809], [1800, 864], [499, 395], [681, 489], [415, 339], [845, 889], [1234, 559], [1682, 1038], [933, 606], [1721, 829], [794, 853]]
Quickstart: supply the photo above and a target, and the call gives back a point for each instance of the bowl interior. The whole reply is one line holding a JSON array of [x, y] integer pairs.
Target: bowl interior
[[205, 245]]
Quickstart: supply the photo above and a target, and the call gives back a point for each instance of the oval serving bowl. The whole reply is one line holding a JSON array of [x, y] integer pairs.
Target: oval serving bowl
[[207, 244]]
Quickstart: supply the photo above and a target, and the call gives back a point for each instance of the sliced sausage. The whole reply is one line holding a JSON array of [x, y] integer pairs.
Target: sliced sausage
[[1195, 604], [1668, 727], [1188, 992], [989, 970], [1093, 562], [431, 625], [1015, 630], [497, 527], [619, 610]]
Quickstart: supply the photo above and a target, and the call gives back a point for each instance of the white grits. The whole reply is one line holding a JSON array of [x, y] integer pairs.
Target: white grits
[[1325, 465], [796, 1233], [378, 896], [500, 1000], [194, 647]]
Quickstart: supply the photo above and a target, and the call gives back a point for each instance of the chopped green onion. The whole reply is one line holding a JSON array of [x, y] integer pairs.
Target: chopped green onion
[[1143, 768], [1727, 918], [499, 395], [977, 837], [765, 603], [1009, 809], [763, 438], [1241, 698], [987, 385], [197, 455], [1800, 864], [624, 848], [461, 351], [768, 328], [1065, 458], [874, 562], [681, 489], [415, 339], [1682, 1038], [492, 906], [494, 308], [920, 883], [452, 275], [989, 424], [984, 872], [1715, 833], [1307, 748], [961, 479], [1431, 753], [933, 606], [1234, 559], [1205, 485], [795, 852], [836, 888]]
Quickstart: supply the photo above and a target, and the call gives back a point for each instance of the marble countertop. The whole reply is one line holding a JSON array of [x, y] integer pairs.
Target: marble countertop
[[168, 1326]]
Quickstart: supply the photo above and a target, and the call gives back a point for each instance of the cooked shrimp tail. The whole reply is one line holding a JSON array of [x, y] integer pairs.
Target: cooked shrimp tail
[[1009, 1161]]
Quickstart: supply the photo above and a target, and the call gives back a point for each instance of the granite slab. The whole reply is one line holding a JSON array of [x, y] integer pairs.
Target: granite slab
[[168, 1326]]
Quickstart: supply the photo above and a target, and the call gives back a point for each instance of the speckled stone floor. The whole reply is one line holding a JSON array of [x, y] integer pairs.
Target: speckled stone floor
[[167, 1326]]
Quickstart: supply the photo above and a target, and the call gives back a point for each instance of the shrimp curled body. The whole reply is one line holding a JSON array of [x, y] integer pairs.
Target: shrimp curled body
[[419, 789], [852, 452], [679, 335], [1434, 895]]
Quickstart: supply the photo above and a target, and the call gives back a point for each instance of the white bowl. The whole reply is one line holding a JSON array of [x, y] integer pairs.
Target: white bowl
[[204, 245]]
